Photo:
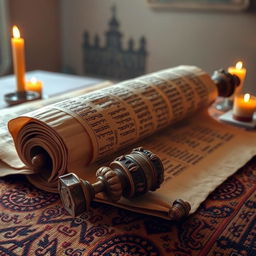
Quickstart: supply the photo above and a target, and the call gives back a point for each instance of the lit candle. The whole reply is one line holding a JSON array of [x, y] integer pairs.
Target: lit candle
[[18, 59], [34, 85], [240, 71], [244, 107]]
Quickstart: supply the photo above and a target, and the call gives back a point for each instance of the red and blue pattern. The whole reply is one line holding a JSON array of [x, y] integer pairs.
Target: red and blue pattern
[[33, 222]]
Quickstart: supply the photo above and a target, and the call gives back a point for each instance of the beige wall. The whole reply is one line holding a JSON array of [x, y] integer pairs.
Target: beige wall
[[39, 22], [208, 39]]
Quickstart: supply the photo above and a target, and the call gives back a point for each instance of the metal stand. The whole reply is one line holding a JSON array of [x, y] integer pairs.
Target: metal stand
[[16, 98], [225, 105]]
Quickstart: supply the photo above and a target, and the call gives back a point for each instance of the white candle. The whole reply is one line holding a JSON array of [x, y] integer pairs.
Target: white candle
[[244, 107]]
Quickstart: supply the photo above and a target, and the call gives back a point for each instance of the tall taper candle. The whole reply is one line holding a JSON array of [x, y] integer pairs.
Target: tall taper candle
[[18, 59]]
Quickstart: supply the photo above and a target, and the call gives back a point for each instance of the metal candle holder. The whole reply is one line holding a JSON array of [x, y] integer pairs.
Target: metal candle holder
[[16, 98]]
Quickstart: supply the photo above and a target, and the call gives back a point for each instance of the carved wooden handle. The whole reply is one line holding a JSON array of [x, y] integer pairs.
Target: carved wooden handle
[[129, 175]]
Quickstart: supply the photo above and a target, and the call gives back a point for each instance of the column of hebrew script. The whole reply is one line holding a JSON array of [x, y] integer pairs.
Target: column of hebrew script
[[117, 116]]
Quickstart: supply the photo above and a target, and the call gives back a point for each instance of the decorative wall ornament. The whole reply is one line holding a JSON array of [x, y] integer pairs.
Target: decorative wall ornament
[[232, 5], [112, 60]]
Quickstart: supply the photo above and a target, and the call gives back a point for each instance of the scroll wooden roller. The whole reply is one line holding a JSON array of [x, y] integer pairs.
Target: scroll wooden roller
[[129, 175]]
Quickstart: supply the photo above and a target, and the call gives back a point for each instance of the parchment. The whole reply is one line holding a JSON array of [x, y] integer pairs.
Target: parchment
[[8, 153], [198, 155], [83, 129], [82, 133]]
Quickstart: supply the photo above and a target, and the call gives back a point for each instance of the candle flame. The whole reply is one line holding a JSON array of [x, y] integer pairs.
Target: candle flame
[[247, 97], [33, 80], [15, 32], [239, 65]]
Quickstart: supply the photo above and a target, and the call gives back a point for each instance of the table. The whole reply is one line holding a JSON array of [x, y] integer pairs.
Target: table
[[33, 222], [53, 83]]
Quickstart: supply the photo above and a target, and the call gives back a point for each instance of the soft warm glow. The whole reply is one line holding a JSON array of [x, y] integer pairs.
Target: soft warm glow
[[239, 65], [15, 32], [246, 97], [33, 80]]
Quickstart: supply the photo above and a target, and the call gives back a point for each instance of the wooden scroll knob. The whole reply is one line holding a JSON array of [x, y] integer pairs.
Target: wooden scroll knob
[[38, 161], [179, 209], [41, 161], [226, 83], [129, 175]]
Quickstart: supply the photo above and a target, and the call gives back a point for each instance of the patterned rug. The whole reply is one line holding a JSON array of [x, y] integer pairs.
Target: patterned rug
[[33, 222]]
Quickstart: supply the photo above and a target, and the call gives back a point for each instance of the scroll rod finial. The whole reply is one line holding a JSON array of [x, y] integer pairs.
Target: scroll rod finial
[[179, 209], [41, 161]]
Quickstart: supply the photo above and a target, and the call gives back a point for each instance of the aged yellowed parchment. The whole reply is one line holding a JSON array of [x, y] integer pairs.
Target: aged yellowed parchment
[[83, 132]]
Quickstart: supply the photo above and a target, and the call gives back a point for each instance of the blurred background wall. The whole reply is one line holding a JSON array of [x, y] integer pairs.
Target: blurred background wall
[[54, 31], [210, 40], [39, 23]]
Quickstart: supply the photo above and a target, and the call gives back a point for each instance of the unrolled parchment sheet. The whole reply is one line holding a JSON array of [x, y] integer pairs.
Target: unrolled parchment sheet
[[161, 112]]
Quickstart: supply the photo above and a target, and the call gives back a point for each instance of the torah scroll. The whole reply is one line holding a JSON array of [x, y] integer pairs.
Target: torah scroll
[[80, 133]]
